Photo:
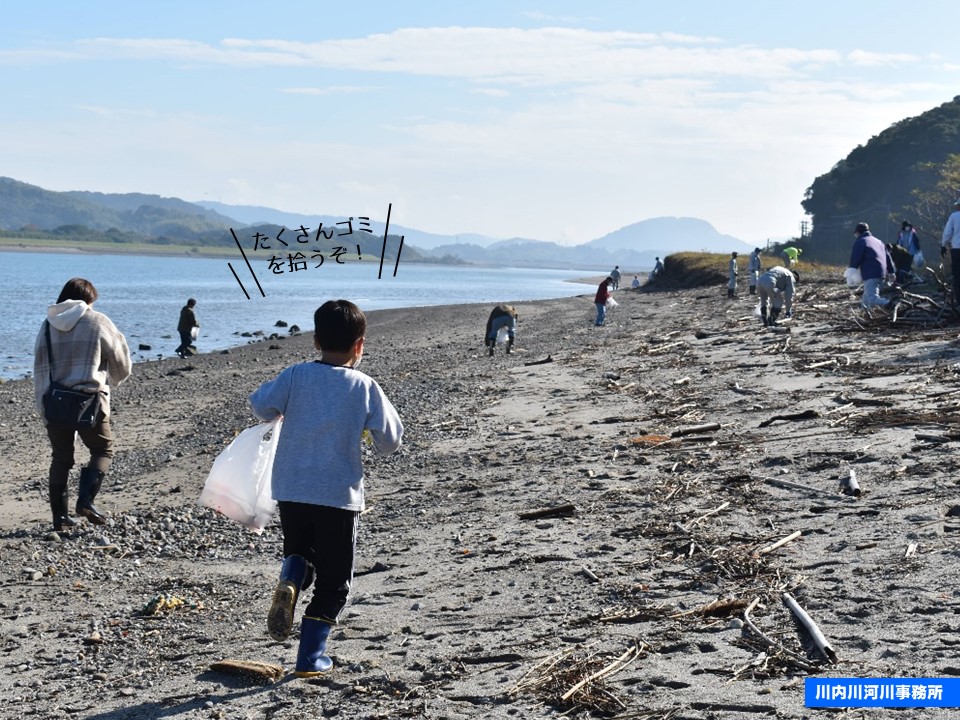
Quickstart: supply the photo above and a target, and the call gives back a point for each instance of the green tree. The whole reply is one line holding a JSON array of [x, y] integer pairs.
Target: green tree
[[933, 202]]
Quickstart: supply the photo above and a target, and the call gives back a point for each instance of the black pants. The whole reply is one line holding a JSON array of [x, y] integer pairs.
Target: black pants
[[955, 271], [97, 439], [185, 341], [327, 538]]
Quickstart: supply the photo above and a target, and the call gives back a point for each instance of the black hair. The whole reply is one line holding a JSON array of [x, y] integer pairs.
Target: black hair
[[191, 302], [78, 289], [338, 324]]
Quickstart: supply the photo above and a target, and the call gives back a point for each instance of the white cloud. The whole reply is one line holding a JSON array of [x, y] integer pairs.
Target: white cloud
[[331, 90], [585, 131], [491, 92], [544, 56], [881, 59]]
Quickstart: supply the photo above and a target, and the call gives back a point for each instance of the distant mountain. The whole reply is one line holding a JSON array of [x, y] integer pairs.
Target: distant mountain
[[259, 215], [25, 205], [664, 235], [29, 211], [634, 247]]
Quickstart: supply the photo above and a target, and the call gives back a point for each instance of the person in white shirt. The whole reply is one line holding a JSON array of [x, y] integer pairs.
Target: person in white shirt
[[951, 241], [754, 268]]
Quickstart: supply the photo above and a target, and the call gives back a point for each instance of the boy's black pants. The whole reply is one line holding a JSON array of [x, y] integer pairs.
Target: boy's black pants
[[327, 538]]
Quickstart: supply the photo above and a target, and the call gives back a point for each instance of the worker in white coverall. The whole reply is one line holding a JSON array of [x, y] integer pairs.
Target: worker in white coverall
[[776, 288]]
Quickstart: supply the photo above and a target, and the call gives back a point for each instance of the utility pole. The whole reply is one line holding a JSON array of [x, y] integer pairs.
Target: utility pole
[[803, 229]]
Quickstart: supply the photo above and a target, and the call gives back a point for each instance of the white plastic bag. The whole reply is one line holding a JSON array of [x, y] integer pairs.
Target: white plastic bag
[[853, 277], [238, 485], [918, 260], [611, 303], [194, 332], [503, 334]]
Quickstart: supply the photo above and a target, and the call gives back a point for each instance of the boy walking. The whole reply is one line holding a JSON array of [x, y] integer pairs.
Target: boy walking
[[326, 405]]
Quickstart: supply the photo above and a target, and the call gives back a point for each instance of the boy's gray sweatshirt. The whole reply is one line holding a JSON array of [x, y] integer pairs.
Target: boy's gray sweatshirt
[[325, 410]]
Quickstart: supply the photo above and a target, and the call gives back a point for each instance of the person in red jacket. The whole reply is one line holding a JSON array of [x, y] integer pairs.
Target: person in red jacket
[[603, 294]]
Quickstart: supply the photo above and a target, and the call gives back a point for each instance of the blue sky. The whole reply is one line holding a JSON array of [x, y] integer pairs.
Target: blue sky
[[553, 120]]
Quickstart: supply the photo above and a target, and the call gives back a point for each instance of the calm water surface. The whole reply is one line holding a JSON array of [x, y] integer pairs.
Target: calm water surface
[[143, 295]]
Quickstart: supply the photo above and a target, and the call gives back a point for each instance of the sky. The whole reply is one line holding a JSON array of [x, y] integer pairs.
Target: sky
[[545, 119]]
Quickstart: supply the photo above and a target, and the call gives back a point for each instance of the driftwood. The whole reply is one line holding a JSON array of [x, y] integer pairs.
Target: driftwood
[[694, 429], [547, 359], [724, 607], [259, 671], [795, 486], [849, 484], [805, 415], [799, 661], [558, 511], [818, 638], [723, 507], [589, 574], [780, 543]]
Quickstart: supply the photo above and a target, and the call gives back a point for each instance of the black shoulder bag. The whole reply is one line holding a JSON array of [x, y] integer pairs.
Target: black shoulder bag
[[65, 407]]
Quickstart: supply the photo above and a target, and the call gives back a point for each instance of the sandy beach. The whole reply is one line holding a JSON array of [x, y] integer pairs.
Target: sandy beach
[[627, 503]]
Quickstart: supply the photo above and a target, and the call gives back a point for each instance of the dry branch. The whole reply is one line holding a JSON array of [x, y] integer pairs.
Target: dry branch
[[818, 638], [780, 543], [617, 665]]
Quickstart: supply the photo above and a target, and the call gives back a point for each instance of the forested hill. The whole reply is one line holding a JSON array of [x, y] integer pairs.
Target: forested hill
[[897, 175]]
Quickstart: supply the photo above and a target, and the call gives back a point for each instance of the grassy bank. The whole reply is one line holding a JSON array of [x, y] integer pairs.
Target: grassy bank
[[693, 269], [96, 247]]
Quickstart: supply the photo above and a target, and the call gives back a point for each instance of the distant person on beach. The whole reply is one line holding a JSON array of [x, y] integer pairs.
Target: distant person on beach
[[600, 300], [951, 241], [902, 262], [188, 321], [732, 282], [81, 349], [776, 288], [636, 282], [502, 316], [754, 269], [327, 407], [615, 276], [790, 255], [908, 238], [870, 256], [657, 269]]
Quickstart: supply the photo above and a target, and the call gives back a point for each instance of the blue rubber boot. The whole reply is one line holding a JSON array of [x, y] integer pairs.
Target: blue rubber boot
[[293, 576], [312, 658]]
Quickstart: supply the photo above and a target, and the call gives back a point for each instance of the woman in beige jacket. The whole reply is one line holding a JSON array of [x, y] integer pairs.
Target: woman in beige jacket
[[90, 355]]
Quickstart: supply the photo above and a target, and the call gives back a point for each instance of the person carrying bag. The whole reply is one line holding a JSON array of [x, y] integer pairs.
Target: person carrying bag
[[78, 356], [68, 408]]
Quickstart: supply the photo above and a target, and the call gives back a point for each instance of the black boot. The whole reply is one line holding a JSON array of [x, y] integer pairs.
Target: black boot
[[763, 316], [295, 574], [58, 505], [753, 289], [774, 314], [509, 345], [90, 481]]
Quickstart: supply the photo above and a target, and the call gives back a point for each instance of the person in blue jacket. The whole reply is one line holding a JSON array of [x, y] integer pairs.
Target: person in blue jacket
[[871, 257]]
